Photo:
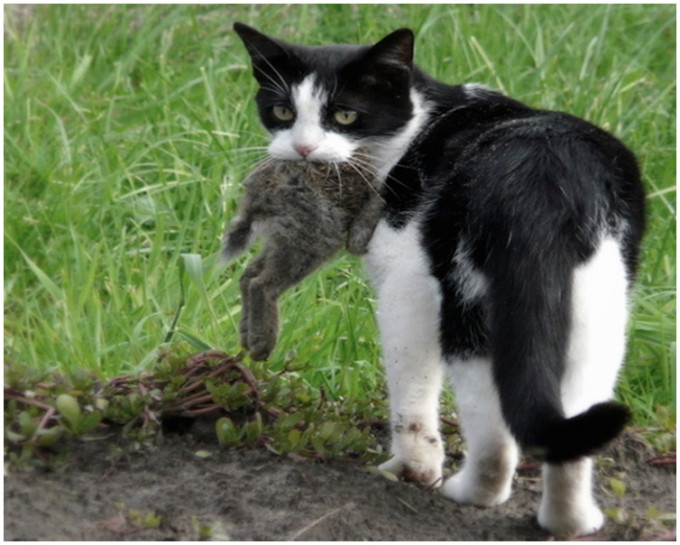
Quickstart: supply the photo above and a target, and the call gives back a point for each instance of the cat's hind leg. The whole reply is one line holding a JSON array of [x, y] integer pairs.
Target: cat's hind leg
[[595, 353], [492, 453]]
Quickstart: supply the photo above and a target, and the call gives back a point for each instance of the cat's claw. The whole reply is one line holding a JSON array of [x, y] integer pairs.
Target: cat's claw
[[417, 451]]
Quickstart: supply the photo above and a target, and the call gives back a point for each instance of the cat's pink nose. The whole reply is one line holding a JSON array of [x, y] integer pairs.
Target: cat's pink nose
[[303, 150]]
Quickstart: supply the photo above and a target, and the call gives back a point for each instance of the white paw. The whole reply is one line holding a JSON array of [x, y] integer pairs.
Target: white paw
[[581, 520], [470, 489], [425, 472], [417, 455]]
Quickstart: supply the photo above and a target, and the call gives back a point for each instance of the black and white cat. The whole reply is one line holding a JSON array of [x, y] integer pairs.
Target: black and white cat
[[504, 259]]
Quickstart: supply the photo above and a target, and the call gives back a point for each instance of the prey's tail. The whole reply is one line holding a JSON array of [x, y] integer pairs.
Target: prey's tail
[[237, 239]]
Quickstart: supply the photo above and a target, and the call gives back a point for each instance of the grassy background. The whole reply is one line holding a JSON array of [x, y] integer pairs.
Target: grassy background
[[129, 128]]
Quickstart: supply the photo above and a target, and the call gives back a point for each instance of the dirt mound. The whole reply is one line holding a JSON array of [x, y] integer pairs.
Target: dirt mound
[[187, 488]]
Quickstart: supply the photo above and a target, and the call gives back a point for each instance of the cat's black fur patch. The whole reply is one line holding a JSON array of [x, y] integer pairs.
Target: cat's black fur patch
[[530, 193], [585, 433]]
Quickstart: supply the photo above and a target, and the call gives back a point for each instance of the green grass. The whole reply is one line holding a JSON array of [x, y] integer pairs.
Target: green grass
[[127, 133]]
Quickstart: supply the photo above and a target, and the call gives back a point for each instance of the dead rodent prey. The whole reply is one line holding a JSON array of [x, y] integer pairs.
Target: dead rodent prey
[[305, 212]]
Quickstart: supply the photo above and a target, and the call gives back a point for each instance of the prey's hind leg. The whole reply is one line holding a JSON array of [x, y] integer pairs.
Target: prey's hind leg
[[492, 453], [595, 353], [249, 274], [282, 268]]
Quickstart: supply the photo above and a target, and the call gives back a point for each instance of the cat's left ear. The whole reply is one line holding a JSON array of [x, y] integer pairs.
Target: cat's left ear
[[394, 52], [259, 46], [270, 57]]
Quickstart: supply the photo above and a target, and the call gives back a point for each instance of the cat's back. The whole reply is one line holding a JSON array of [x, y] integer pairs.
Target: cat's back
[[497, 168], [509, 185], [510, 134], [547, 163]]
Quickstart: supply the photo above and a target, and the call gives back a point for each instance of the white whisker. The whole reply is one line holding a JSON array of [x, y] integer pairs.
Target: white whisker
[[338, 176], [369, 164], [281, 85], [365, 170]]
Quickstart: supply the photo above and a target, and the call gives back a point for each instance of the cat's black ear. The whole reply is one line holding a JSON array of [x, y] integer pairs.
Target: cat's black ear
[[395, 50], [268, 54], [259, 45], [387, 65]]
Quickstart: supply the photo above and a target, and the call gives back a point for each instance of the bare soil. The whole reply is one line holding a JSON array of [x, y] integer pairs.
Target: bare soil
[[185, 487]]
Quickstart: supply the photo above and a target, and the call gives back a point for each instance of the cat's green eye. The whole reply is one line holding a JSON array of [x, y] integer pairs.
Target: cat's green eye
[[283, 113], [345, 117]]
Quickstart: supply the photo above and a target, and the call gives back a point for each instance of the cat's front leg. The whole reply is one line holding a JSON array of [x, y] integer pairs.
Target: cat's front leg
[[414, 374], [408, 314]]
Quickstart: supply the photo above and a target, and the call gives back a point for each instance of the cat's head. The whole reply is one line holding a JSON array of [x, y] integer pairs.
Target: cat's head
[[321, 103]]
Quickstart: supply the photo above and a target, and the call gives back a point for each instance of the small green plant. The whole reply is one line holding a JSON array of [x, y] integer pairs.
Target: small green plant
[[228, 434], [618, 489], [39, 418], [24, 432], [254, 405], [207, 531], [73, 418], [653, 523], [143, 520]]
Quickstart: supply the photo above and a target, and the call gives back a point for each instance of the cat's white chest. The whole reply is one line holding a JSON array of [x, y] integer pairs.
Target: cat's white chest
[[395, 252], [400, 272]]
